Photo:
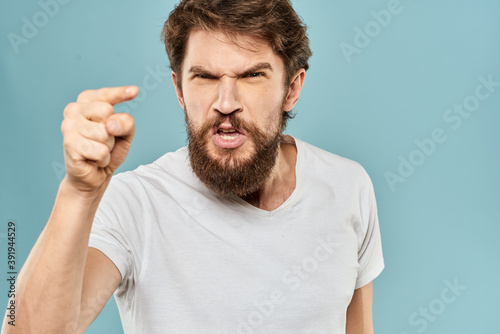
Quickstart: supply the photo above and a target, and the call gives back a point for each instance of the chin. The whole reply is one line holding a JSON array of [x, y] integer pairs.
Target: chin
[[231, 157]]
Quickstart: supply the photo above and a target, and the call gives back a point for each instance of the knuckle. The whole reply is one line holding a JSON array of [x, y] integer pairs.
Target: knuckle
[[100, 134], [101, 151], [68, 142], [102, 109], [67, 127], [104, 93], [70, 109], [106, 109], [83, 147], [83, 94], [75, 145]]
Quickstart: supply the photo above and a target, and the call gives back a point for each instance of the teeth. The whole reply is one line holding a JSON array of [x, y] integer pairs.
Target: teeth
[[227, 131], [229, 137]]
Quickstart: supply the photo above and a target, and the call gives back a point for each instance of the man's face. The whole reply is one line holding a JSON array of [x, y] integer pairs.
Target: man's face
[[233, 95]]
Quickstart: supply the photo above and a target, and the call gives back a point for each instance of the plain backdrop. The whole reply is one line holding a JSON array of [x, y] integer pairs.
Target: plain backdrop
[[405, 95]]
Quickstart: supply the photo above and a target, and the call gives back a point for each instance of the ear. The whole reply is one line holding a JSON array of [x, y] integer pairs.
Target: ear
[[178, 91], [294, 90]]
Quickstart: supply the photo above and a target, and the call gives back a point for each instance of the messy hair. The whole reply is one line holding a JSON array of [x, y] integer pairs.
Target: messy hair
[[274, 21]]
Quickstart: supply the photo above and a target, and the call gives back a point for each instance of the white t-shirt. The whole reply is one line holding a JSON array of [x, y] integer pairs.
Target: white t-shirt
[[192, 262]]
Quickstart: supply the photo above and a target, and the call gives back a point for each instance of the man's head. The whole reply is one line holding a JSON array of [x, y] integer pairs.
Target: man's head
[[274, 21], [238, 67]]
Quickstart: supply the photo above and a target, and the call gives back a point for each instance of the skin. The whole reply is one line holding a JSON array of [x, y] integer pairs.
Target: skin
[[62, 272], [359, 319], [221, 77]]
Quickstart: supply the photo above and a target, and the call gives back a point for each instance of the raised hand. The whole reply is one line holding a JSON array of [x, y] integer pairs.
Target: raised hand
[[96, 139]]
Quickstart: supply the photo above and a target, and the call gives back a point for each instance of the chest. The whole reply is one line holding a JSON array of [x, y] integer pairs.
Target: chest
[[225, 271]]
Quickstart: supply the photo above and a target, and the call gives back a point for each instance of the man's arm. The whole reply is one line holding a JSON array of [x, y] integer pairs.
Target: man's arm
[[57, 284], [100, 280], [359, 313]]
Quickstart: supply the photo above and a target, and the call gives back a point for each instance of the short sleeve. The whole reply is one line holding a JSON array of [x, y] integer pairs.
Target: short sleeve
[[370, 257], [109, 241], [108, 232]]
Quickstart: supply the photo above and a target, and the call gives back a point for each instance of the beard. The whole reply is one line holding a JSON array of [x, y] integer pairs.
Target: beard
[[228, 173]]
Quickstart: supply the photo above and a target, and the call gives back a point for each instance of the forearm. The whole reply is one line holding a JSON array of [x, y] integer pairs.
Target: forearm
[[49, 285], [359, 313]]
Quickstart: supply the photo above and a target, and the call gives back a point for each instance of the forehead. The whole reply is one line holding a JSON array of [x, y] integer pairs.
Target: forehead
[[217, 52]]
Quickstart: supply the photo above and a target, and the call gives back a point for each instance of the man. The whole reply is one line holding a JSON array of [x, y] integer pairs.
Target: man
[[243, 231]]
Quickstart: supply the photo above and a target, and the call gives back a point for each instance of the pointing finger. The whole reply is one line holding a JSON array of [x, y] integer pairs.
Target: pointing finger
[[111, 95]]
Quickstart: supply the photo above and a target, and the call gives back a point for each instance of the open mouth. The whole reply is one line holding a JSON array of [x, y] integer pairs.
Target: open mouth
[[228, 137], [228, 134]]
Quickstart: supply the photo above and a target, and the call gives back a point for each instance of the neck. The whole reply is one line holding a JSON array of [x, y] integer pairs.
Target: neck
[[281, 183]]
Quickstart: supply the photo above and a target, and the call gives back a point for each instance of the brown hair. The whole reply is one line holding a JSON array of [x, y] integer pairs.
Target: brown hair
[[274, 21]]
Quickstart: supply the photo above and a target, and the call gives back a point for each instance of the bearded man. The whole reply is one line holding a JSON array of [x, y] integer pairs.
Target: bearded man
[[245, 230]]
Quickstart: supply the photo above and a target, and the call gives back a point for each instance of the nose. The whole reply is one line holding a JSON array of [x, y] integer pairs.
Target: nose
[[228, 98]]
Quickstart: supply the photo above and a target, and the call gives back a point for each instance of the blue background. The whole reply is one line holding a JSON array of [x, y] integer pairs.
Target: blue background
[[439, 225]]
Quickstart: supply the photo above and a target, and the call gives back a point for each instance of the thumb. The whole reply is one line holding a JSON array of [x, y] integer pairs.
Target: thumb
[[121, 125]]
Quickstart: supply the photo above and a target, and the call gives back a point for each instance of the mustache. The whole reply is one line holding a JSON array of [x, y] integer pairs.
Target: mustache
[[233, 119]]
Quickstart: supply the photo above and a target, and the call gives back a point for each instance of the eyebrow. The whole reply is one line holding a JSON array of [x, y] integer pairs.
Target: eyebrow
[[257, 67]]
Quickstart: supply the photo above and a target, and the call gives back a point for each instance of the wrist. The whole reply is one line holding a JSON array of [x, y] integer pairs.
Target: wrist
[[87, 198]]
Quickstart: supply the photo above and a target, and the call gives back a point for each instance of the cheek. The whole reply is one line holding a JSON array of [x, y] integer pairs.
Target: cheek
[[267, 111], [197, 106]]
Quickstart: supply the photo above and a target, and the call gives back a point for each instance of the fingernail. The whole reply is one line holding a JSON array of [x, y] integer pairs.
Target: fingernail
[[129, 91], [114, 126]]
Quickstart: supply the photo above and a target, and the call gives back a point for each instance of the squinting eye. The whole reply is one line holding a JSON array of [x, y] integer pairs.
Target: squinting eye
[[256, 75], [203, 76]]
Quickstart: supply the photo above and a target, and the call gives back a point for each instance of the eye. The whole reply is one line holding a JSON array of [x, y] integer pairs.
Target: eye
[[203, 76], [255, 74]]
